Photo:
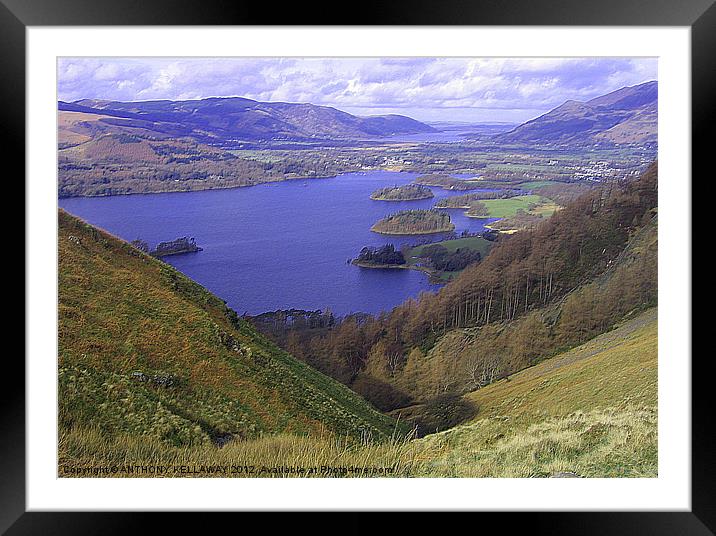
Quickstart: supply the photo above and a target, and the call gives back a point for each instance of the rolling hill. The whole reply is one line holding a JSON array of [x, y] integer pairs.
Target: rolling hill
[[628, 115], [234, 118], [146, 352]]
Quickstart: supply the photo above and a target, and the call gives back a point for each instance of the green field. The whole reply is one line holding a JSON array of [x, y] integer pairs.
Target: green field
[[506, 208]]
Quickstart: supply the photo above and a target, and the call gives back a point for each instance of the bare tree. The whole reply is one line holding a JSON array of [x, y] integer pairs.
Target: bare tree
[[483, 370]]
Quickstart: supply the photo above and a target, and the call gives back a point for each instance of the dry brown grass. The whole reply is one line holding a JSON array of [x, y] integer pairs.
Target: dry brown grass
[[283, 455], [591, 410]]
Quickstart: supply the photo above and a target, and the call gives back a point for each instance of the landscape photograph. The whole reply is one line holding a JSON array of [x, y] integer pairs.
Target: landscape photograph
[[341, 267]]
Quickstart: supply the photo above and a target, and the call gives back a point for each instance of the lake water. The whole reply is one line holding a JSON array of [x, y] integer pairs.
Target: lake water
[[279, 245], [445, 136]]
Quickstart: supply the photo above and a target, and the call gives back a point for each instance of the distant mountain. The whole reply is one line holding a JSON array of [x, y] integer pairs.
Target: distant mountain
[[236, 118], [628, 115]]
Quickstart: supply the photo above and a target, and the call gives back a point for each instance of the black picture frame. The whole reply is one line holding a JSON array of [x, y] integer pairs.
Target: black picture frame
[[699, 15]]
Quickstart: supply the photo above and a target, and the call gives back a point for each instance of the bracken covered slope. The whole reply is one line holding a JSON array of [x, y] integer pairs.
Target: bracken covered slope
[[146, 351]]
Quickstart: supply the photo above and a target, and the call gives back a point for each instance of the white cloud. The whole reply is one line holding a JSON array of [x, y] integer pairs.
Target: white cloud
[[370, 84]]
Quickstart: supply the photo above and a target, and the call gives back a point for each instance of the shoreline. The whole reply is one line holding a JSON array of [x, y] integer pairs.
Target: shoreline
[[235, 186], [433, 275], [362, 264], [210, 188], [398, 200], [182, 252], [438, 231], [450, 208]]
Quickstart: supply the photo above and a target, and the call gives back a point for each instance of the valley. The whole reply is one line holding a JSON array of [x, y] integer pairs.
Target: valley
[[416, 299], [114, 148]]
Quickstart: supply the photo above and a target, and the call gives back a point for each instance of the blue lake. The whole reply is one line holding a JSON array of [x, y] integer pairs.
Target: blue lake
[[279, 245]]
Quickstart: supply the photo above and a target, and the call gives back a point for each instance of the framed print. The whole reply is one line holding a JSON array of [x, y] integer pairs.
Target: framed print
[[438, 258]]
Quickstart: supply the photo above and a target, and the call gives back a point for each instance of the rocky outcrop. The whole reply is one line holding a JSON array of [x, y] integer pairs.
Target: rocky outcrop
[[158, 380], [175, 247]]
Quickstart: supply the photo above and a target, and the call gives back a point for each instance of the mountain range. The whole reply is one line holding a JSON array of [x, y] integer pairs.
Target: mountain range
[[627, 115], [236, 118]]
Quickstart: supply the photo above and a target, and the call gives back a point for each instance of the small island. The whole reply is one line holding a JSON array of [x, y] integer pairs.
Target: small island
[[447, 182], [380, 257], [409, 192], [441, 261], [176, 247], [164, 249], [414, 222]]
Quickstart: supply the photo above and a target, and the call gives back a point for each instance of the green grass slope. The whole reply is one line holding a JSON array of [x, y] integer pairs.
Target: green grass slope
[[591, 411], [145, 352]]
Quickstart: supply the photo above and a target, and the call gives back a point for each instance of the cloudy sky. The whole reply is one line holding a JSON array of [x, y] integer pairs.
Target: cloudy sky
[[428, 89]]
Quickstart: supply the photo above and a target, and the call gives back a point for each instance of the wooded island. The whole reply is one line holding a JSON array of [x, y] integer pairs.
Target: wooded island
[[409, 192], [409, 222]]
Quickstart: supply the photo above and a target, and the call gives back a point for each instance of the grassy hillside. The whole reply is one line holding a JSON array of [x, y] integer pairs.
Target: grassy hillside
[[464, 359], [590, 411], [537, 293], [145, 351]]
